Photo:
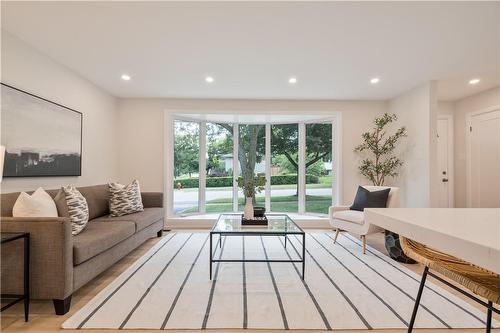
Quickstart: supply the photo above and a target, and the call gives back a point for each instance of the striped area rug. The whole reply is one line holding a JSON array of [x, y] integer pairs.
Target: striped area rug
[[169, 288]]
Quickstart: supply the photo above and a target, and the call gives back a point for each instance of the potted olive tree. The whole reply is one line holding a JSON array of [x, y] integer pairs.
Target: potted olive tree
[[380, 163], [379, 146]]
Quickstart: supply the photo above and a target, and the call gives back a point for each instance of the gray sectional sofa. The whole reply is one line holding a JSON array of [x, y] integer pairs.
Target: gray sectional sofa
[[61, 263]]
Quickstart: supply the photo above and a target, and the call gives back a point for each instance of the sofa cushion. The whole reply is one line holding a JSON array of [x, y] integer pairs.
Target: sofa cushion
[[147, 217], [98, 237], [141, 219], [97, 197], [8, 201], [61, 204], [353, 216]]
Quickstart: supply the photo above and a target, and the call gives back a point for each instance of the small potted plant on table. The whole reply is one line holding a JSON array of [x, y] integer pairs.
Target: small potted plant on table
[[250, 186]]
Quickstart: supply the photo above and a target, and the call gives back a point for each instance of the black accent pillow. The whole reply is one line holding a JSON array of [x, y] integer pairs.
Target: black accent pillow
[[367, 199]]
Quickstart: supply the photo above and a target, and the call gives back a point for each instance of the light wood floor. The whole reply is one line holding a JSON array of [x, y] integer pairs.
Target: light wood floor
[[42, 317]]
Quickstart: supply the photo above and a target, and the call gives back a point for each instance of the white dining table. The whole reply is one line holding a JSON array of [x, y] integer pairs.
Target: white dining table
[[470, 234]]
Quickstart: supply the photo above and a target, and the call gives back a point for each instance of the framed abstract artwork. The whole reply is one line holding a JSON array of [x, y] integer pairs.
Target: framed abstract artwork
[[41, 138]]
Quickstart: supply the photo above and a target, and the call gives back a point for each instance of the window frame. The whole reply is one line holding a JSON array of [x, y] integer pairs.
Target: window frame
[[334, 119]]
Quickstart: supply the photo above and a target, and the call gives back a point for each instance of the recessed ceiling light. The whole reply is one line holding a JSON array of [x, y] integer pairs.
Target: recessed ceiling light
[[126, 77], [375, 80], [292, 80], [474, 81], [209, 79]]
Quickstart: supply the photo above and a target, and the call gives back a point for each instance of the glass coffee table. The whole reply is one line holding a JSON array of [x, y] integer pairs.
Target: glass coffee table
[[278, 225]]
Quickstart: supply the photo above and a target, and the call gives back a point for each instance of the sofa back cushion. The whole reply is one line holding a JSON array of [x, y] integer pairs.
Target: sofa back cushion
[[8, 201], [97, 197]]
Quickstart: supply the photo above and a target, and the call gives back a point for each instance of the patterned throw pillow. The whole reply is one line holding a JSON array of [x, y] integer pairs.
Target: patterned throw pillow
[[78, 209], [124, 200]]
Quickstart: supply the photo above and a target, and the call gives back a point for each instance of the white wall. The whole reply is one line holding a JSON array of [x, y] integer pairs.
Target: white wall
[[25, 68], [446, 108], [141, 132], [459, 109], [416, 110]]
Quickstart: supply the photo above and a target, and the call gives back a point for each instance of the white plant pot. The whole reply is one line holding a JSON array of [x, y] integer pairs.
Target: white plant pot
[[249, 209]]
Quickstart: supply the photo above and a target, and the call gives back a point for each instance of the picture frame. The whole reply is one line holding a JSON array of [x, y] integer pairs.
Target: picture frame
[[42, 138]]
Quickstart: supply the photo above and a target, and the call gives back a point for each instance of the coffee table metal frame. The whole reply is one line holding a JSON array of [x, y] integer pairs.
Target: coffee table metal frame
[[254, 231]]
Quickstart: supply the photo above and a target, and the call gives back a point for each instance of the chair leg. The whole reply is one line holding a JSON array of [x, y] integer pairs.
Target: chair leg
[[363, 239], [61, 306], [488, 317], [337, 232], [417, 300]]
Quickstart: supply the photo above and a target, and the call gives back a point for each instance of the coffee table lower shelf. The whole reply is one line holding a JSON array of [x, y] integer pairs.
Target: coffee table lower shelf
[[251, 234]]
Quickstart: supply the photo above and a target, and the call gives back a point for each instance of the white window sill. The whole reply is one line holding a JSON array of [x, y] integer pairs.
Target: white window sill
[[206, 221]]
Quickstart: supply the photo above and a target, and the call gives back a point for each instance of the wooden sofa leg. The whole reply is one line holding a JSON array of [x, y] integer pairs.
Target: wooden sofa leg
[[337, 232], [159, 233], [62, 305], [363, 239]]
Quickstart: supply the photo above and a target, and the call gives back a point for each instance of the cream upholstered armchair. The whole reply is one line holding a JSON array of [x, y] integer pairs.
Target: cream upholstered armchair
[[353, 221]]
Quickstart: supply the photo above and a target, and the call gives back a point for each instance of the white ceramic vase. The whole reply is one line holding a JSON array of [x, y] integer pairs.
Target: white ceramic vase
[[249, 209]]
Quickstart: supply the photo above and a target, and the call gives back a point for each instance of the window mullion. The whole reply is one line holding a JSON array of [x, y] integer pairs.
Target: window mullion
[[268, 168], [168, 159], [202, 167], [236, 138], [334, 162], [336, 167], [302, 168]]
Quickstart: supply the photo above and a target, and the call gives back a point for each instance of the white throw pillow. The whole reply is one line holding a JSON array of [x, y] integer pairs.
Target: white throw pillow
[[39, 204]]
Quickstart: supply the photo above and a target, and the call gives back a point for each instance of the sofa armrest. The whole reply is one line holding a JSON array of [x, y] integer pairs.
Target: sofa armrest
[[333, 209], [51, 262], [152, 199]]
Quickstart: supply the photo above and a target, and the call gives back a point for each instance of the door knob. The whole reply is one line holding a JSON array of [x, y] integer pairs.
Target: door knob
[[445, 180]]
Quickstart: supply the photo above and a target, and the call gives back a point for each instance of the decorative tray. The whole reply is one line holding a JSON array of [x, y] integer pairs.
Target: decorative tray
[[257, 220]]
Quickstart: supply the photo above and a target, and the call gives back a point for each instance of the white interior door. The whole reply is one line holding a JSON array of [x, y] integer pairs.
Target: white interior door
[[445, 162], [484, 160]]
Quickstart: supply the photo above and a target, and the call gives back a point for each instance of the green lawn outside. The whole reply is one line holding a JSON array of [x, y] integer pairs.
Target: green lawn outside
[[314, 204], [324, 180]]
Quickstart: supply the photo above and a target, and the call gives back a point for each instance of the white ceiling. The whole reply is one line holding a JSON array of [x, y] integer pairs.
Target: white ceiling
[[251, 49]]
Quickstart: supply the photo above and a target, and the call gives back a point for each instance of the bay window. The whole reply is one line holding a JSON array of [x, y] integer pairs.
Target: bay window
[[298, 160]]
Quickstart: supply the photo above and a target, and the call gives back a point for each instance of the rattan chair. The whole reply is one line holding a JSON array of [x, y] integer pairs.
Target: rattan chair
[[481, 282]]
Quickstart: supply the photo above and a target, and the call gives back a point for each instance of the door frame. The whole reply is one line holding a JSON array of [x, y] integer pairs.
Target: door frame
[[451, 158], [468, 149]]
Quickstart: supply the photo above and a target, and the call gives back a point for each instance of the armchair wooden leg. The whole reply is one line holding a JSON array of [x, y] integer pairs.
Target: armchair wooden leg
[[363, 239], [337, 232]]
